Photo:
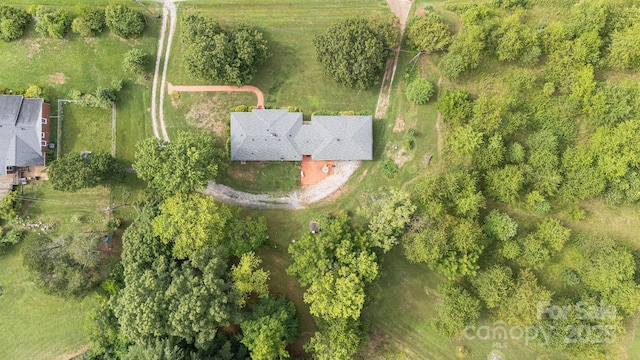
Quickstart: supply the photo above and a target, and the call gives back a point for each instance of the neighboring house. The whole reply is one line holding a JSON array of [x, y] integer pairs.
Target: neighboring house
[[24, 133], [279, 135]]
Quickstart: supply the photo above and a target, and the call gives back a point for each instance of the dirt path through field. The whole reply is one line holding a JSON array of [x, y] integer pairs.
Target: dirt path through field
[[401, 9], [439, 119], [169, 19], [247, 88]]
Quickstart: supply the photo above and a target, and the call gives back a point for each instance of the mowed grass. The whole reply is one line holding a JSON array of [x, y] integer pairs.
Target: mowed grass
[[58, 66], [292, 76], [85, 128], [34, 325], [257, 178]]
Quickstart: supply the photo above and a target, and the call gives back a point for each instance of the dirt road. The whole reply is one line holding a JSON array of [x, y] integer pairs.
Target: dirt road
[[247, 88]]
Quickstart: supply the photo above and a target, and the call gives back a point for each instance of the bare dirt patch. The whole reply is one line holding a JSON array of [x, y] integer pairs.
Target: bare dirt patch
[[399, 125], [90, 41], [57, 78], [399, 155], [208, 114], [34, 48], [420, 12], [75, 354]]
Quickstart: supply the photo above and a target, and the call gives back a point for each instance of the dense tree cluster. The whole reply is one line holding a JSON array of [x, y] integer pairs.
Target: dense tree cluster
[[89, 23], [335, 265], [428, 33], [53, 23], [354, 52], [124, 21], [222, 56], [13, 21], [170, 301], [181, 166], [539, 141], [73, 172]]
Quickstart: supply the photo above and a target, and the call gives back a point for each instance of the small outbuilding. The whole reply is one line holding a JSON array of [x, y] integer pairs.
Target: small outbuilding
[[314, 227]]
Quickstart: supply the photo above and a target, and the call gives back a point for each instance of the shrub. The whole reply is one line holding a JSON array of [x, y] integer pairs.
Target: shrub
[[135, 61], [123, 21], [12, 22], [33, 91], [410, 74], [408, 144], [420, 91], [53, 23], [389, 168], [240, 108], [89, 23]]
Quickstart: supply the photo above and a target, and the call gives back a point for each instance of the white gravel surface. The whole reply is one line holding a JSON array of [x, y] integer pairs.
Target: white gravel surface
[[294, 200]]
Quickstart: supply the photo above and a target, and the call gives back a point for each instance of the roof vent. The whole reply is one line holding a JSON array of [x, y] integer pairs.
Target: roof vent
[[274, 135]]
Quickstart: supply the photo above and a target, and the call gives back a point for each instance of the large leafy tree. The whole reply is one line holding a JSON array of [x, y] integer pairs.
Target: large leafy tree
[[388, 215], [428, 33], [269, 327], [124, 21], [458, 309], [248, 278], [73, 171], [191, 222], [354, 52], [180, 166], [64, 265], [13, 21], [335, 264], [222, 56]]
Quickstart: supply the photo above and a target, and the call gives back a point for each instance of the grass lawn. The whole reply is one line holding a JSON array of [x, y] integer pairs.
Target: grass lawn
[[292, 76], [85, 128], [34, 325], [59, 66], [260, 177]]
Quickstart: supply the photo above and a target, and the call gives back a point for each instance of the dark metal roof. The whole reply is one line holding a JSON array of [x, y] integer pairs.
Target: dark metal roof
[[20, 132], [269, 135]]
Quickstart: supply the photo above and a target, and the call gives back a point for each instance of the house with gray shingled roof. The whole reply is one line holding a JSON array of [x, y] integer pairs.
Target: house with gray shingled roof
[[24, 132], [279, 135]]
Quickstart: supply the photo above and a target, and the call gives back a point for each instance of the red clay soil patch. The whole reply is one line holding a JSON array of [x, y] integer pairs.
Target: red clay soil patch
[[312, 170]]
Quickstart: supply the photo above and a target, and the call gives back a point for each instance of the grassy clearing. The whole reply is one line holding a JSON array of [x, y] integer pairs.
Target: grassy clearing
[[274, 177], [204, 110], [292, 76], [85, 128], [59, 66], [34, 325]]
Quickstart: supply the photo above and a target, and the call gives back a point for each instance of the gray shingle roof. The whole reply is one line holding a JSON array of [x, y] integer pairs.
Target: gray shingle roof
[[20, 129], [268, 135]]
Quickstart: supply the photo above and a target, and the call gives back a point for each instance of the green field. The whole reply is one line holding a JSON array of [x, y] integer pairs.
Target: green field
[[59, 66], [85, 128], [34, 325]]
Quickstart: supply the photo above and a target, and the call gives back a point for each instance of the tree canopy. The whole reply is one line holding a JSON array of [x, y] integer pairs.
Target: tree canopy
[[124, 21], [13, 21], [181, 166], [191, 222], [428, 33], [222, 56], [73, 172], [354, 52]]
